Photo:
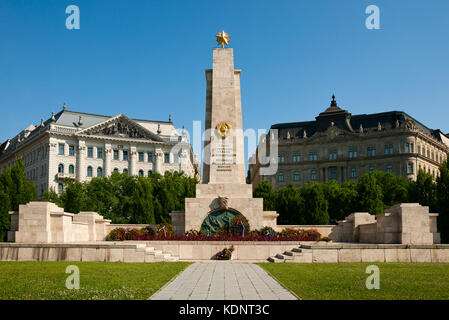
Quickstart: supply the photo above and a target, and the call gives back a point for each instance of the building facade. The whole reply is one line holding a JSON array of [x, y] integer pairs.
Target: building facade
[[340, 146], [81, 146]]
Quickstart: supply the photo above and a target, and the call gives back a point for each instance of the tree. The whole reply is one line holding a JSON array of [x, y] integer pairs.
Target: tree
[[395, 189], [442, 191], [265, 190], [5, 220], [142, 202], [23, 190], [288, 205], [74, 198], [341, 198], [424, 190], [315, 208], [369, 195]]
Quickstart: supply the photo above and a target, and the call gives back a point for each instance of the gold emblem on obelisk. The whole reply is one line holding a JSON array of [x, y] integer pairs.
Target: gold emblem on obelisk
[[223, 38], [223, 128]]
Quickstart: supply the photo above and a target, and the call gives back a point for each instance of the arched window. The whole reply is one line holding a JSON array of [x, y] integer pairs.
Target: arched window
[[61, 168], [60, 188], [150, 172], [140, 173], [71, 169], [99, 172], [125, 171], [89, 171], [115, 170]]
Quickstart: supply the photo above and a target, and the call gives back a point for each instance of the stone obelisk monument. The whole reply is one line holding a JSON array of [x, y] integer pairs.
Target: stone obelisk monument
[[224, 188]]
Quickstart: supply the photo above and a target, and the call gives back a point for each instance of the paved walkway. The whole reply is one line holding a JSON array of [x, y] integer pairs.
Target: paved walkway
[[223, 281]]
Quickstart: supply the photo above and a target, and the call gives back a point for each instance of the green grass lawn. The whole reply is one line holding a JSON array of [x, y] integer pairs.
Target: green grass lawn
[[347, 280], [98, 280]]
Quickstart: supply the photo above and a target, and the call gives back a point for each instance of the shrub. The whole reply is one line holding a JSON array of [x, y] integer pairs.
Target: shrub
[[133, 234], [116, 234], [223, 231], [327, 239]]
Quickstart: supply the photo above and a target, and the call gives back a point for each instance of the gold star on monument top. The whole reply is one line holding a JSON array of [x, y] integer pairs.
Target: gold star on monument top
[[223, 38]]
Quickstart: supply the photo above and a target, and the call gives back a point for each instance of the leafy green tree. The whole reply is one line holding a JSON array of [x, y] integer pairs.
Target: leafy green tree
[[265, 190], [369, 194], [288, 205], [424, 190], [24, 190], [315, 208], [142, 202], [341, 198], [5, 220], [395, 189], [52, 196], [442, 191], [74, 197]]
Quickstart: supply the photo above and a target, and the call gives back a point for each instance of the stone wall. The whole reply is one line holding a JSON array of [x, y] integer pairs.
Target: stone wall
[[45, 222], [405, 223]]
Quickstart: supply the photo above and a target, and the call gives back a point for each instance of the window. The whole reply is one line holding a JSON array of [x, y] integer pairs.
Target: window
[[388, 149], [61, 168], [296, 158], [370, 151], [166, 158], [313, 156], [125, 155], [89, 171], [353, 173], [409, 147], [296, 176], [150, 156], [150, 172], [125, 171], [140, 173], [90, 152], [141, 157], [71, 169], [332, 155], [71, 150], [313, 175], [281, 177], [115, 169], [281, 158], [60, 188], [352, 154], [100, 153], [389, 169], [333, 173], [61, 149], [99, 172], [115, 154], [409, 168], [371, 169]]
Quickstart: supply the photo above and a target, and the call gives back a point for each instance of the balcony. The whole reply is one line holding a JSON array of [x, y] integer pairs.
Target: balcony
[[62, 176]]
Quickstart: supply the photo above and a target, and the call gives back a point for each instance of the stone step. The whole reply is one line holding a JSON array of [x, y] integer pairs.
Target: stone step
[[297, 250], [162, 255], [279, 256], [275, 260], [172, 259], [291, 253]]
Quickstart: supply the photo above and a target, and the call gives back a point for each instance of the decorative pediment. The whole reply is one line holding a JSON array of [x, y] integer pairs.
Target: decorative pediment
[[120, 126]]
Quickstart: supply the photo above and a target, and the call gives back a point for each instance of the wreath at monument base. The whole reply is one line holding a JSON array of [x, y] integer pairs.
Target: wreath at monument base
[[225, 254]]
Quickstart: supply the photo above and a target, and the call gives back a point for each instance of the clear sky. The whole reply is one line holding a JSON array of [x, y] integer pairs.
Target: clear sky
[[147, 58]]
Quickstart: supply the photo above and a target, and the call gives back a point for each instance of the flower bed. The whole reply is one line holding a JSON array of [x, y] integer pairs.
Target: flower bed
[[165, 234]]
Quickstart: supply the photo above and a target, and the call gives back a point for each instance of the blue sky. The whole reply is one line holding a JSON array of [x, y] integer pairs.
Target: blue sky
[[146, 59]]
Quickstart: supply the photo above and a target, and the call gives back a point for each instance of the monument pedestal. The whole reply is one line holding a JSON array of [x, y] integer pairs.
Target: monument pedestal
[[224, 162]]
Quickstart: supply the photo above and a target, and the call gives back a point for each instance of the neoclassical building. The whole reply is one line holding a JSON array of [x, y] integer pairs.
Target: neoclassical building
[[81, 146], [341, 146]]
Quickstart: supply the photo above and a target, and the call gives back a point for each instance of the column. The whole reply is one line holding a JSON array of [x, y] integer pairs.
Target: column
[[158, 158], [107, 159], [132, 160], [80, 163]]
